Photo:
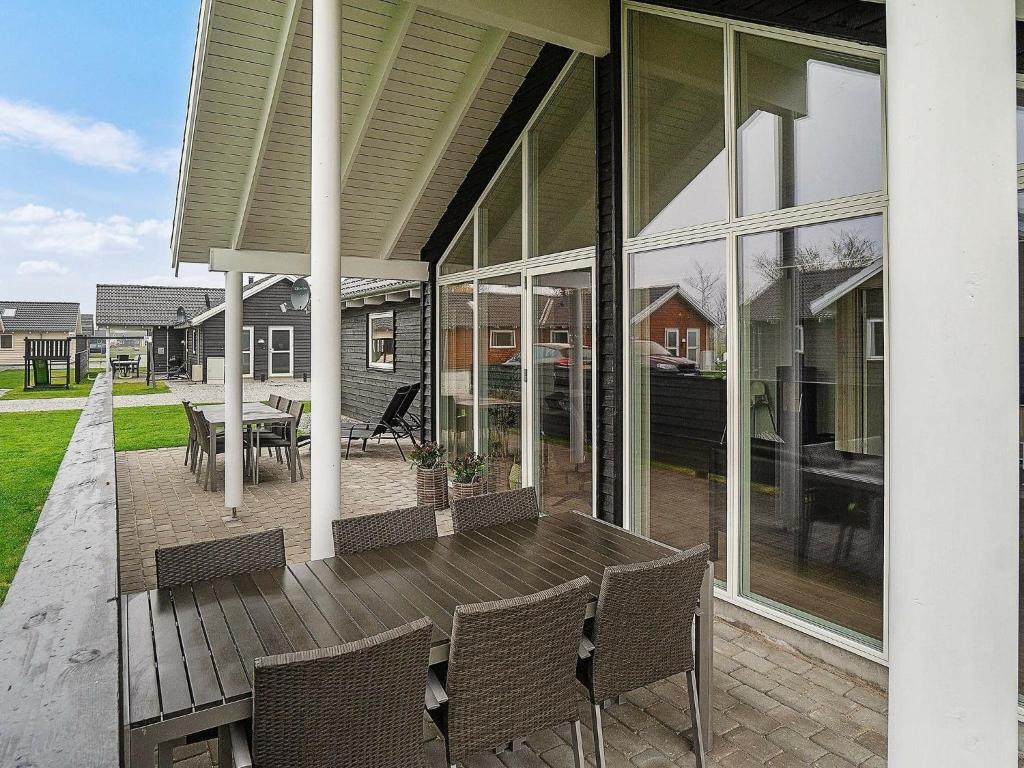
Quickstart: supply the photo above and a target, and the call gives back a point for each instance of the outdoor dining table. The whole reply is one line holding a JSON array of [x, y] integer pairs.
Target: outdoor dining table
[[187, 653], [252, 414]]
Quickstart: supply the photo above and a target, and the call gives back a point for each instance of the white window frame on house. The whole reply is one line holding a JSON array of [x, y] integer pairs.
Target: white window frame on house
[[370, 362], [251, 331], [6, 341], [695, 347], [495, 334], [527, 264], [870, 352], [559, 336], [271, 352], [670, 345], [730, 230]]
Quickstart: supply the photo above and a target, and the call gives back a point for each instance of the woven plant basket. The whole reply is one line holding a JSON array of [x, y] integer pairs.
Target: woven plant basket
[[498, 471], [465, 490], [432, 487]]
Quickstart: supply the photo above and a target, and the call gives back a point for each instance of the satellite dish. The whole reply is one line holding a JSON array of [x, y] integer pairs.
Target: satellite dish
[[300, 294], [182, 315]]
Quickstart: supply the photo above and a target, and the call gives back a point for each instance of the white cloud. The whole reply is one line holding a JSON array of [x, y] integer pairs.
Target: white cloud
[[41, 267], [82, 140], [39, 229]]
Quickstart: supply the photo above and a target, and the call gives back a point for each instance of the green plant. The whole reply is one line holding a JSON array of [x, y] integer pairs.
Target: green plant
[[428, 455], [467, 468]]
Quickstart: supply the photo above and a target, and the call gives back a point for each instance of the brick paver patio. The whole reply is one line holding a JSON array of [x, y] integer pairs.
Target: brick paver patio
[[773, 707]]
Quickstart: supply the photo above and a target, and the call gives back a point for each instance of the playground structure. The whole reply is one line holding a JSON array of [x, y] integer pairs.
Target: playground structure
[[56, 363]]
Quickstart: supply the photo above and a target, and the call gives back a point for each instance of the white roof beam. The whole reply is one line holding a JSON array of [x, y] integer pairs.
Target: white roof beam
[[385, 61], [397, 296], [292, 263], [277, 71], [581, 25], [373, 300], [476, 73]]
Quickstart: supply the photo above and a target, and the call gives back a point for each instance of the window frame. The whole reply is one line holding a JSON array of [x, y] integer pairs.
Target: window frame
[[10, 340], [832, 210], [695, 347], [271, 351], [493, 331], [370, 363], [673, 348], [870, 353]]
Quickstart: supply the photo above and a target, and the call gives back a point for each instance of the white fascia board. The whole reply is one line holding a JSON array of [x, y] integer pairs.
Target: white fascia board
[[580, 25], [291, 263], [249, 291], [828, 299]]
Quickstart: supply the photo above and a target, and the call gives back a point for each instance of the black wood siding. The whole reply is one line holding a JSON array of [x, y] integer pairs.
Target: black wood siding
[[262, 311], [608, 125], [366, 391]]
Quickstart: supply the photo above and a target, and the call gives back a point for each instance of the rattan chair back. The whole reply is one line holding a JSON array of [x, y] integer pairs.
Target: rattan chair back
[[644, 620], [189, 563], [358, 705], [494, 508], [512, 668], [356, 534]]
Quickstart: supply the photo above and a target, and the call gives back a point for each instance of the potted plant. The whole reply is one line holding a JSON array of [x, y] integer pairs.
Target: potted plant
[[500, 457], [431, 475], [467, 476]]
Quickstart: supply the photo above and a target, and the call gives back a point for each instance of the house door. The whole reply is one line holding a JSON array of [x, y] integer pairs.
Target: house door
[[559, 377], [281, 350], [247, 333]]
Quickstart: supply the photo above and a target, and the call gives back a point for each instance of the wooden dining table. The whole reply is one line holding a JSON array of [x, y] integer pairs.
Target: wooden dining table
[[252, 414], [187, 653]]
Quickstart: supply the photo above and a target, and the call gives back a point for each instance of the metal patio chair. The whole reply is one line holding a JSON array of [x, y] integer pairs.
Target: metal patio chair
[[494, 508], [193, 435], [397, 526], [278, 436], [642, 633], [203, 430], [188, 563], [391, 425], [358, 705], [511, 672]]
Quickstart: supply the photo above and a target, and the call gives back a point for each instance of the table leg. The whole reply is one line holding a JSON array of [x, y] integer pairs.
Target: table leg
[[140, 749], [705, 653], [293, 460], [212, 467]]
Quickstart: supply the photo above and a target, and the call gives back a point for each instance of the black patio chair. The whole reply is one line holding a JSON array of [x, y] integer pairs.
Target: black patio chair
[[390, 426]]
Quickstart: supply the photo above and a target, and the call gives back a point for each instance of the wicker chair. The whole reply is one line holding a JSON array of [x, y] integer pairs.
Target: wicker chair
[[494, 508], [358, 705], [188, 563], [642, 633], [510, 671], [355, 534]]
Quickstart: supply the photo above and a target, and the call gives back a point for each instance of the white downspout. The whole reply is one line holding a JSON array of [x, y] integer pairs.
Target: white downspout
[[325, 257]]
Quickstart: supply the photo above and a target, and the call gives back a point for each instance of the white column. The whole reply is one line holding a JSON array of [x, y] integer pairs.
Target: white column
[[325, 265], [953, 384], [233, 390]]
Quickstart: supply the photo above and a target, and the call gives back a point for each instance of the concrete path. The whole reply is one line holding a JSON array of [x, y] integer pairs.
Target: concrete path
[[180, 390]]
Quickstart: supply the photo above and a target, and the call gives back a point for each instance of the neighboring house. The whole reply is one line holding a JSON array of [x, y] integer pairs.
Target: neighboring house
[[275, 341], [34, 320], [672, 318], [381, 346]]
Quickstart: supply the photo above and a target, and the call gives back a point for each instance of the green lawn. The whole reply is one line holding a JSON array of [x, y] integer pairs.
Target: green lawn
[[149, 426], [139, 388], [28, 464], [15, 380]]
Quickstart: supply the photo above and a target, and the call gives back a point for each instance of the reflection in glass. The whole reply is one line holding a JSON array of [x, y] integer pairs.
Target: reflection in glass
[[1020, 127], [810, 125], [677, 164], [812, 415], [500, 217], [1020, 282], [456, 317], [678, 341], [460, 257], [562, 170], [562, 380], [501, 389], [380, 342]]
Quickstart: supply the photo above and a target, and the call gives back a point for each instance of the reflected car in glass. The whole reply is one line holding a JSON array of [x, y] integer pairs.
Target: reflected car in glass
[[661, 360]]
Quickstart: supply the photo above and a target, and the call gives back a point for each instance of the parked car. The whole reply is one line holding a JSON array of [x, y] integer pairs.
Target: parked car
[[661, 360], [552, 353]]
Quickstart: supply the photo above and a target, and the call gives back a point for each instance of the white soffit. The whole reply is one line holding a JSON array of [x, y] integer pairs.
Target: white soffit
[[422, 93]]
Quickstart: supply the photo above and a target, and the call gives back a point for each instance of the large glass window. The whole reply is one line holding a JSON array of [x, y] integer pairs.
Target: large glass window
[[460, 257], [678, 171], [500, 217], [678, 433], [562, 165], [809, 124], [501, 389], [812, 415], [456, 321], [1020, 511]]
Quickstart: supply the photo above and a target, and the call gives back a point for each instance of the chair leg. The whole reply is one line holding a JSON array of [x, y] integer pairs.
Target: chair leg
[[225, 759], [577, 744], [348, 447], [400, 451], [197, 469], [595, 709], [698, 734]]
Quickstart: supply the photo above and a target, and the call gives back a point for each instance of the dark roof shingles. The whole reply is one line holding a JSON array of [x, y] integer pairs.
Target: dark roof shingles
[[151, 305], [46, 316]]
